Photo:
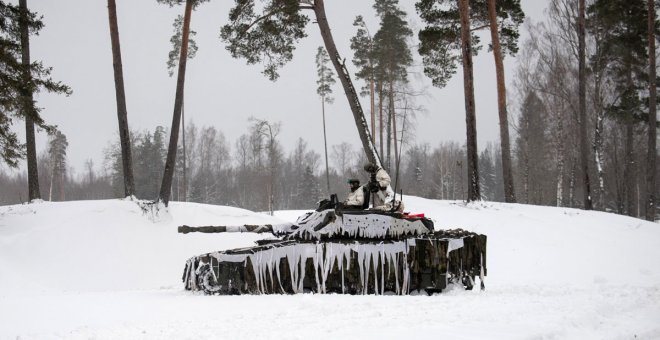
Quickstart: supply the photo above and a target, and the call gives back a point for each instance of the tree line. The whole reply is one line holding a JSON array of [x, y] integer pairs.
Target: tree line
[[588, 129], [584, 83], [253, 172]]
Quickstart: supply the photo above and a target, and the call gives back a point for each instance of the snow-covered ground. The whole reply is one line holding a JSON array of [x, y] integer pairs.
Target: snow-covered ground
[[107, 270]]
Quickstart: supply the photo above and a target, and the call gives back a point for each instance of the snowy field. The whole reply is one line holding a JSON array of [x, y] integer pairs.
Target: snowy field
[[107, 270]]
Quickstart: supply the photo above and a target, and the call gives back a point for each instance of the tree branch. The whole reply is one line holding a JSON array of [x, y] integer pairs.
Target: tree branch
[[261, 18], [479, 28]]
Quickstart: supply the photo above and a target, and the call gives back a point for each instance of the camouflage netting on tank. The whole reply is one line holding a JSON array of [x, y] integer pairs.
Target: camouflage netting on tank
[[422, 263]]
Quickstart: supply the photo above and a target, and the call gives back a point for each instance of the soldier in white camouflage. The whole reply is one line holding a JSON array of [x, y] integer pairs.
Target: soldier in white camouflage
[[380, 186], [355, 198]]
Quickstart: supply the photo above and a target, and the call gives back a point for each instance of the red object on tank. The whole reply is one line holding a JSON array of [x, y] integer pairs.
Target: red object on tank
[[415, 215]]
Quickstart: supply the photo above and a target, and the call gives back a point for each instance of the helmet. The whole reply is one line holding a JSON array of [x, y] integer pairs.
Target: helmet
[[370, 167], [353, 180]]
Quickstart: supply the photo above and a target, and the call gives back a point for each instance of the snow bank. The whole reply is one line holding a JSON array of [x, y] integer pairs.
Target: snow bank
[[107, 270], [109, 244]]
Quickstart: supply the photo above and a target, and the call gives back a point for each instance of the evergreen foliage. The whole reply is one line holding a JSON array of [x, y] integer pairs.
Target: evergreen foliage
[[149, 162], [175, 40], [392, 53], [487, 176], [164, 194], [624, 42], [440, 40], [532, 148], [267, 36], [362, 45], [57, 146], [324, 82], [309, 191], [325, 76], [14, 87]]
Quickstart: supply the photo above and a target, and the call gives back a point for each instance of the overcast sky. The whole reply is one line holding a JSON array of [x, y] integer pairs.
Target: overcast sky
[[222, 91]]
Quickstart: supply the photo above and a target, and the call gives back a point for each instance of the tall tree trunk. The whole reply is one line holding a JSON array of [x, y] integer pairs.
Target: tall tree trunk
[[27, 101], [380, 116], [183, 141], [629, 159], [598, 154], [619, 179], [470, 117], [526, 180], [571, 184], [507, 175], [651, 158], [582, 97], [325, 146], [61, 185], [373, 108], [122, 116], [628, 168], [393, 113], [166, 185], [559, 146], [50, 189], [347, 84], [388, 152], [598, 133]]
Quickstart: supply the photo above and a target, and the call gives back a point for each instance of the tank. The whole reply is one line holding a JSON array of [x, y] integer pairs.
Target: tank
[[343, 250]]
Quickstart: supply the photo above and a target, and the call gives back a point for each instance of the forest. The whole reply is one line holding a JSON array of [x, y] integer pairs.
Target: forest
[[577, 114]]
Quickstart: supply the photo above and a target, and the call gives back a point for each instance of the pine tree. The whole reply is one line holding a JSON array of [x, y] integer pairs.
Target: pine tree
[[487, 175], [19, 80], [309, 191], [172, 61], [507, 174], [449, 30], [57, 158], [122, 115], [324, 89], [362, 45], [393, 57], [168, 174], [624, 38], [531, 149], [269, 36]]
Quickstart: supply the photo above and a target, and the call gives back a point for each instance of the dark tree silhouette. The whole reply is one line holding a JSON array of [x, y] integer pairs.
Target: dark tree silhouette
[[122, 115]]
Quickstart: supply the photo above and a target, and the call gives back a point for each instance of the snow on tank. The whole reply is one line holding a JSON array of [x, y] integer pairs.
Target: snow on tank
[[335, 250]]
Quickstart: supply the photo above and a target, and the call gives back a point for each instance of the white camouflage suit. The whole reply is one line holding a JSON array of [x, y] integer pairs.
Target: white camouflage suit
[[384, 198], [355, 198]]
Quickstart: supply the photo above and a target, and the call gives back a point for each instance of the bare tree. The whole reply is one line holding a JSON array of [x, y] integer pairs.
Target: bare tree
[[267, 133], [344, 158]]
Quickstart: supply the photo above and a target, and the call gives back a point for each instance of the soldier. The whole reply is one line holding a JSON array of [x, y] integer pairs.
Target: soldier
[[355, 198], [382, 190]]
